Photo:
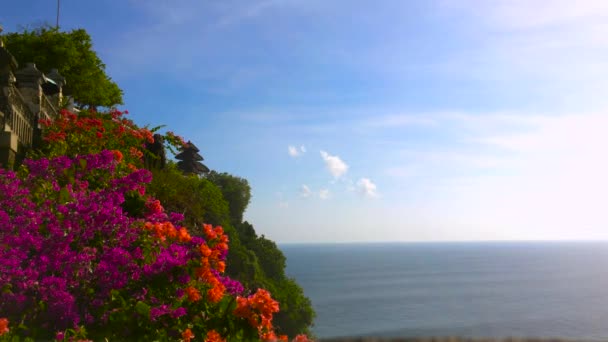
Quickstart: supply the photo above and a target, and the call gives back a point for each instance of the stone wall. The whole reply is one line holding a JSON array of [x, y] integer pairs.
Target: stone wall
[[26, 96]]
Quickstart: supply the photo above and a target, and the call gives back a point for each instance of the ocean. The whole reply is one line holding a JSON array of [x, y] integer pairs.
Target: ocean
[[532, 289]]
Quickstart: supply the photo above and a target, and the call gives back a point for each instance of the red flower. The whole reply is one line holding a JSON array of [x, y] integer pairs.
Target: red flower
[[3, 326]]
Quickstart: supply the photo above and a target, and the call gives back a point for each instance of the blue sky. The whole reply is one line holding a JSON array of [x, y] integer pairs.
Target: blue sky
[[385, 120]]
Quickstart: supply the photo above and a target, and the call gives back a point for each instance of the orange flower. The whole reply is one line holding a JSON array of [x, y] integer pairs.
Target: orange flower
[[3, 326], [242, 307], [268, 336], [187, 335], [135, 153], [216, 292], [117, 155], [209, 232], [205, 250], [147, 135], [222, 246], [211, 259], [169, 230], [166, 230], [302, 338], [257, 309], [221, 266], [213, 336], [193, 294], [183, 235], [283, 338]]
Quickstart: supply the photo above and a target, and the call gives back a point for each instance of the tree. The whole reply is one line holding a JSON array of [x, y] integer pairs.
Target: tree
[[236, 191], [297, 314], [270, 257], [197, 198], [73, 55], [257, 262]]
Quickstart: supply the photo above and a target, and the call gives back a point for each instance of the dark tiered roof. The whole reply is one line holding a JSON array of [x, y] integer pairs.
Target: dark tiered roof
[[190, 160]]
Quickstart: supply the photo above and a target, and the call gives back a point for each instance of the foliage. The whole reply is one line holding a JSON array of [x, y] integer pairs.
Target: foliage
[[296, 313], [236, 191], [201, 201], [88, 251], [196, 198], [296, 309], [73, 55], [255, 261], [72, 257]]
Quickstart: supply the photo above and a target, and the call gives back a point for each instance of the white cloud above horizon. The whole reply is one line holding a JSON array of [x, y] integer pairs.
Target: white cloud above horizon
[[367, 188], [518, 176], [334, 164], [295, 152]]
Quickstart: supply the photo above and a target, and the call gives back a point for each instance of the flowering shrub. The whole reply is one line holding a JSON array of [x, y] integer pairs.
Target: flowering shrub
[[86, 253], [91, 132], [74, 263]]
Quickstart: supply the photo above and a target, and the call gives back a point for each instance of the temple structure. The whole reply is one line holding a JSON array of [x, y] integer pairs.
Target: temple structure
[[190, 160], [26, 96]]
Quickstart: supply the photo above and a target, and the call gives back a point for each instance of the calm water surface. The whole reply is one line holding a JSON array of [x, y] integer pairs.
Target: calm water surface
[[466, 289]]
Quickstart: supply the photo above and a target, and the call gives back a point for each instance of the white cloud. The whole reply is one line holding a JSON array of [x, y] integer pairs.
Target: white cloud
[[293, 151], [367, 188], [305, 191], [324, 194], [283, 204], [334, 164]]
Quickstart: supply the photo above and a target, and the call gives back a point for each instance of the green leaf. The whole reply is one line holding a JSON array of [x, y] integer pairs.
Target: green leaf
[[142, 309], [64, 195]]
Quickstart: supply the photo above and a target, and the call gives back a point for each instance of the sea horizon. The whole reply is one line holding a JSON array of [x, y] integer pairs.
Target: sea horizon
[[405, 242], [469, 289]]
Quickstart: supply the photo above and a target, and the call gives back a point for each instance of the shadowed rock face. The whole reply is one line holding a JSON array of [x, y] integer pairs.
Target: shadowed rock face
[[445, 339]]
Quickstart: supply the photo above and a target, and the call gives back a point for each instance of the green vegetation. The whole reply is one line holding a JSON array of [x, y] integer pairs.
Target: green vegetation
[[73, 55], [221, 199], [236, 191]]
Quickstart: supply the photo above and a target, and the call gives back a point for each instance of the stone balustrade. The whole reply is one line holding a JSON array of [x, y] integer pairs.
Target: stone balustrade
[[26, 96]]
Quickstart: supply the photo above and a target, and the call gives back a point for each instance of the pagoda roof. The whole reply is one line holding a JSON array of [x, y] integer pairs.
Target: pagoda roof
[[190, 146], [192, 167], [189, 155]]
